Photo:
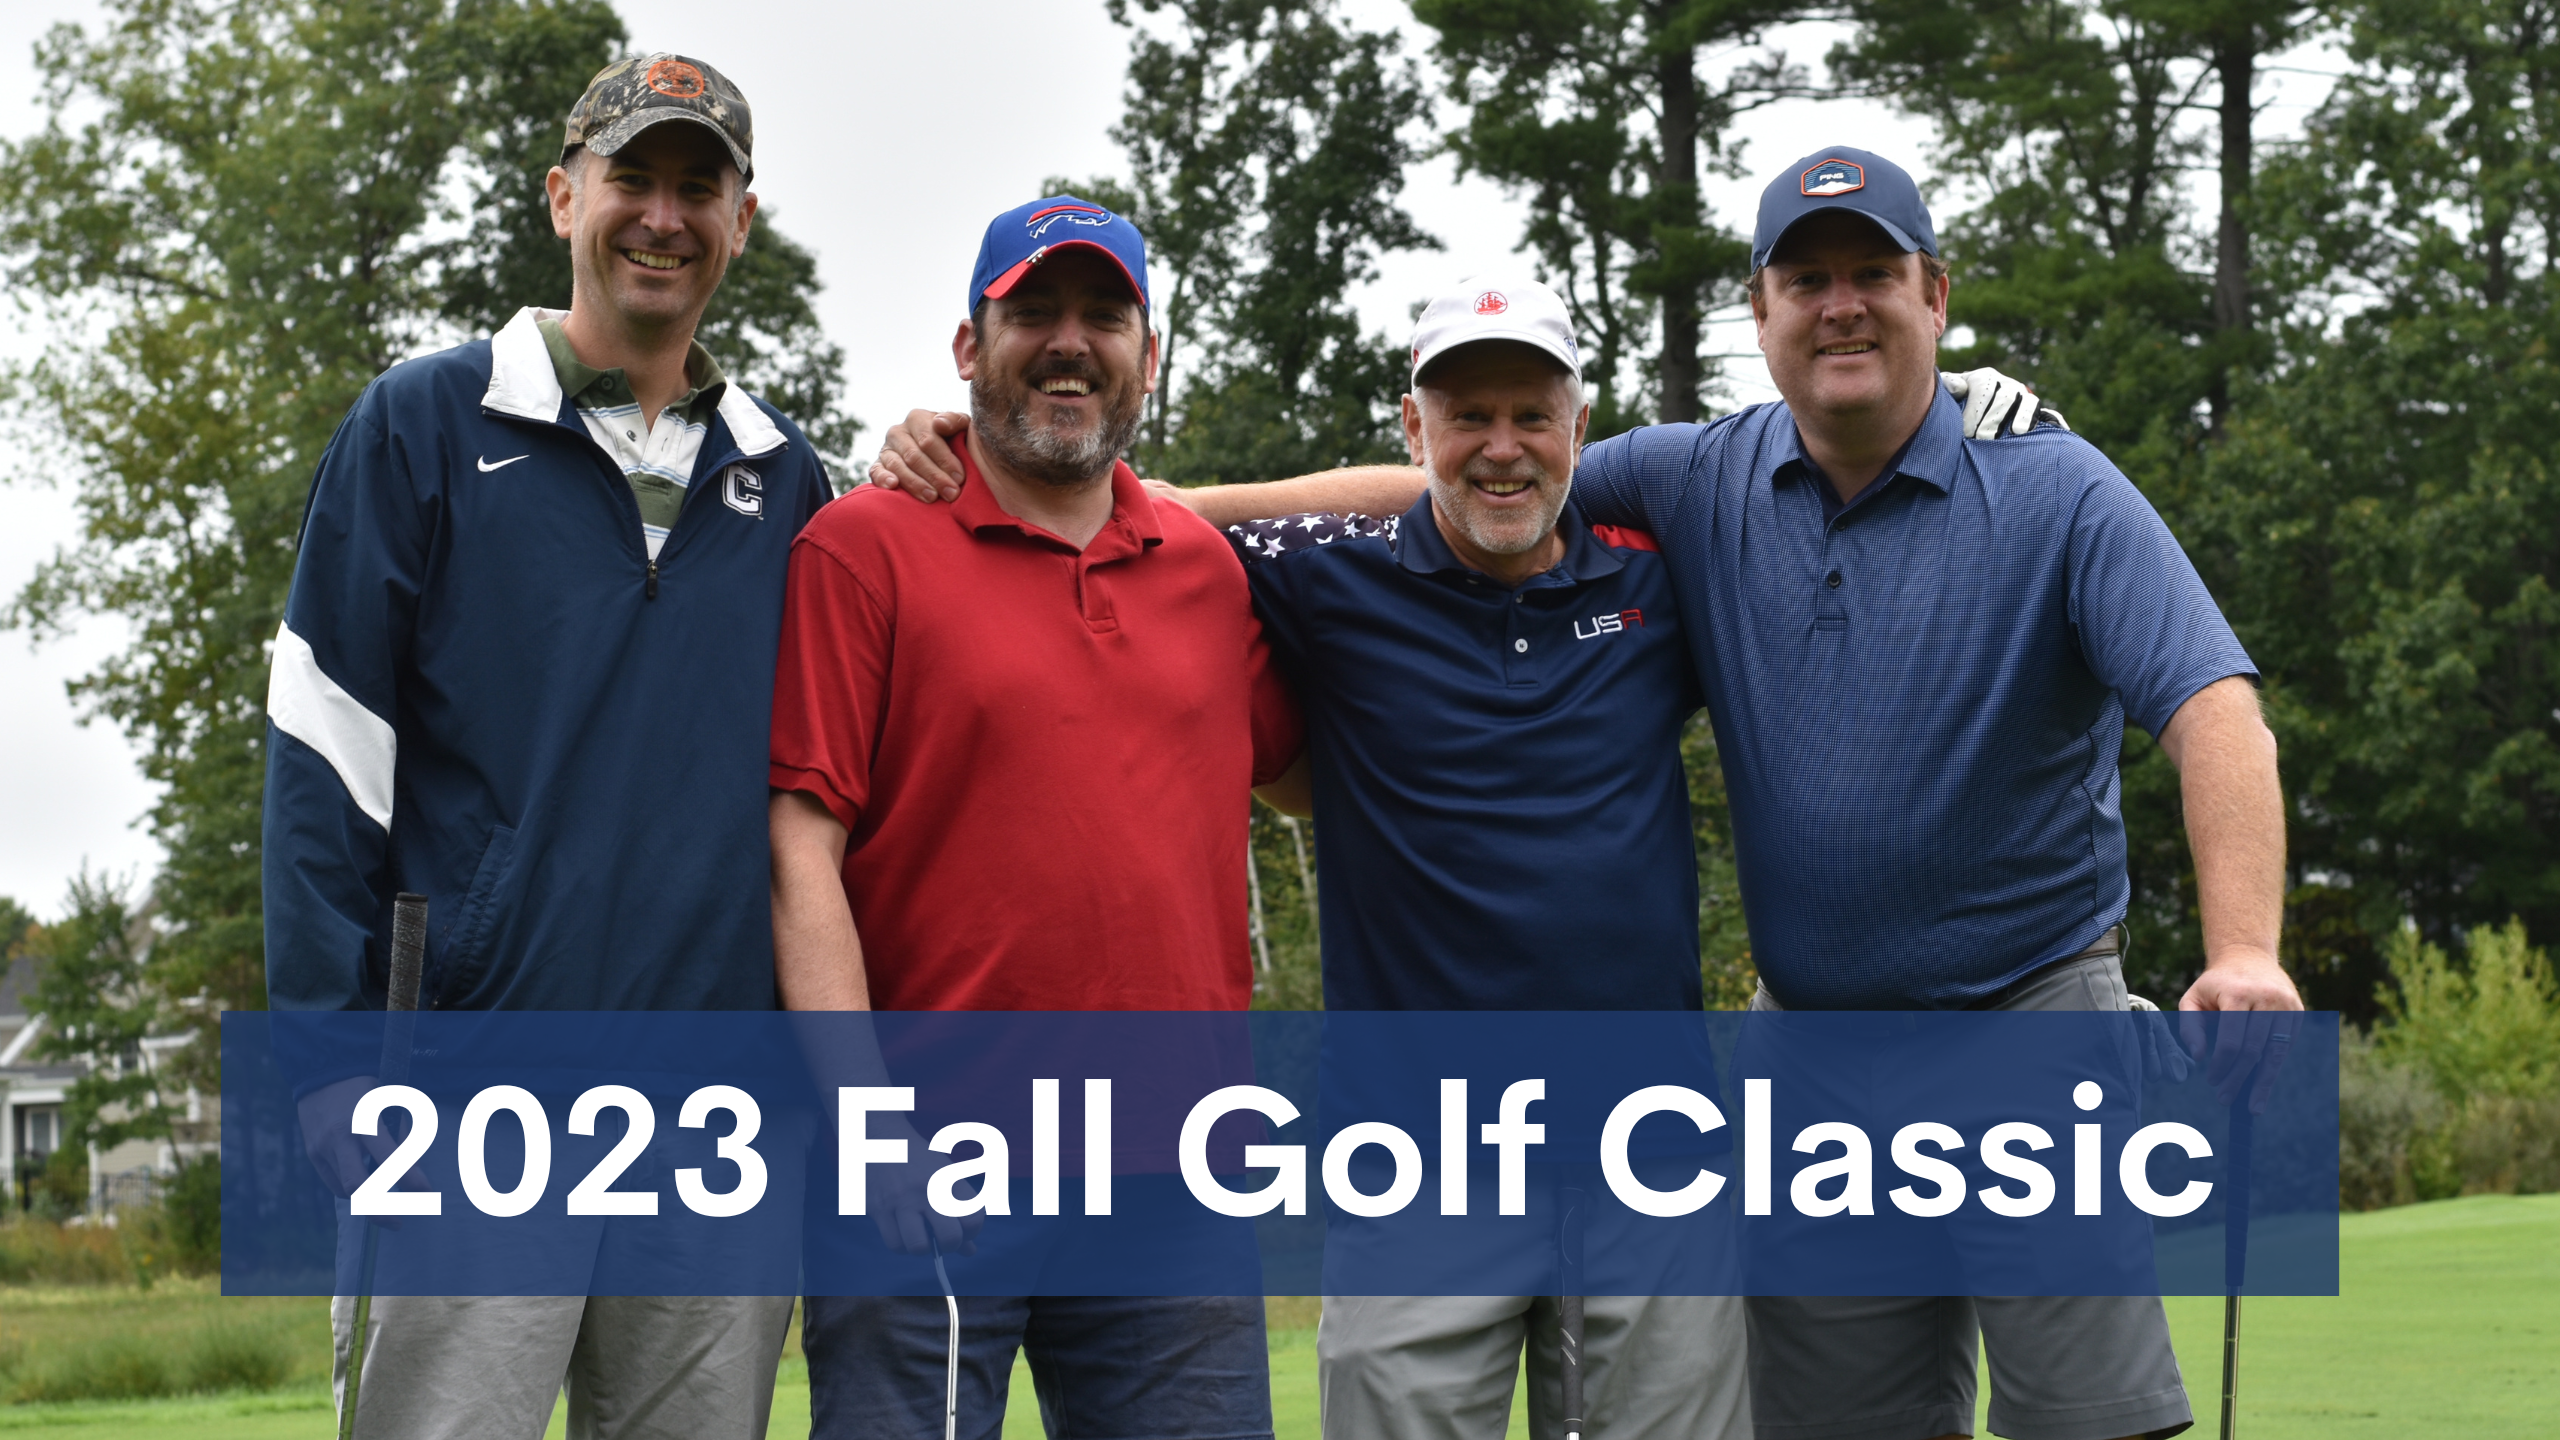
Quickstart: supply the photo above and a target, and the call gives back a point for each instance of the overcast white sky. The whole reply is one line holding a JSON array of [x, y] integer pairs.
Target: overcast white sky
[[887, 135]]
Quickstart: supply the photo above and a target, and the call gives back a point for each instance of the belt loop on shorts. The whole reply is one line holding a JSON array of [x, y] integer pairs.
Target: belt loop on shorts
[[2111, 942]]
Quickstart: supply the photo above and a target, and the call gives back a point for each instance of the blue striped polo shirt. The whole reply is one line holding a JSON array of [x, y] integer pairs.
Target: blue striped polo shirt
[[1920, 698]]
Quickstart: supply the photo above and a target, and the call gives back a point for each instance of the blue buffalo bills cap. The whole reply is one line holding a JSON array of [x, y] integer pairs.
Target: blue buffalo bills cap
[[1024, 236], [1858, 181]]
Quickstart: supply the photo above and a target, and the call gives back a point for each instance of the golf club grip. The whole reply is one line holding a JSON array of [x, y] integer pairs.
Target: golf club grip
[[408, 964], [408, 949], [1569, 1347]]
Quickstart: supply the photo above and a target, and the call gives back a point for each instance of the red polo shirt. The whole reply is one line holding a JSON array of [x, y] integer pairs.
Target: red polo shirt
[[1042, 755]]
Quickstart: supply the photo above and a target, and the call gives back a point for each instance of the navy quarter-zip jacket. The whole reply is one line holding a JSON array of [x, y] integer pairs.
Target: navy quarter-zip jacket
[[484, 691]]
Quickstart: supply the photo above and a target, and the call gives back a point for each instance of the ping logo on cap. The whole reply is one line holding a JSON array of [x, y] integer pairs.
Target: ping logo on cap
[[1833, 177], [1039, 221], [676, 80], [1492, 302]]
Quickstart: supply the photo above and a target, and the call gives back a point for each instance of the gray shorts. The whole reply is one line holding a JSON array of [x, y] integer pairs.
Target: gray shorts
[[635, 1367], [1443, 1367], [1903, 1367]]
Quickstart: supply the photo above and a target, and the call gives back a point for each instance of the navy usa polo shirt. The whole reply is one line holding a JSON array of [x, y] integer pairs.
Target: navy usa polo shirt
[[1505, 819], [1920, 697]]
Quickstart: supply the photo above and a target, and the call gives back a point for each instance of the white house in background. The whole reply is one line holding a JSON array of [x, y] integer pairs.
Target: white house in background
[[31, 1096]]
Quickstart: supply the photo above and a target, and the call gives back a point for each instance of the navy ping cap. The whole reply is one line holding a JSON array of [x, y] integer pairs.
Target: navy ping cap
[[1022, 237], [1858, 181]]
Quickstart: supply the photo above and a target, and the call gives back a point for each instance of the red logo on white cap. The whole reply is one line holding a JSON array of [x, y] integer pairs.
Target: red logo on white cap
[[1492, 302]]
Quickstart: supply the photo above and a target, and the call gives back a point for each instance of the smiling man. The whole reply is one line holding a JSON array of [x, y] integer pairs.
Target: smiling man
[[1921, 653], [1013, 743], [1495, 692], [526, 670]]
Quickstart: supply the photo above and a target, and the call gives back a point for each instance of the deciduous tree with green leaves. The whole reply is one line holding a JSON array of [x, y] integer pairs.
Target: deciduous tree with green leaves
[[100, 1001], [231, 219], [1268, 142], [2384, 520]]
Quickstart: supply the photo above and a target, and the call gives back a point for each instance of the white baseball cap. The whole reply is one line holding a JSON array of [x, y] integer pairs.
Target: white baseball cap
[[1495, 307]]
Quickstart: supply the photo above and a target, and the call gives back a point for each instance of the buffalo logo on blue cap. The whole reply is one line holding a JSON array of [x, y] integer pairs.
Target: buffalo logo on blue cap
[[1833, 177], [1020, 238], [1039, 222]]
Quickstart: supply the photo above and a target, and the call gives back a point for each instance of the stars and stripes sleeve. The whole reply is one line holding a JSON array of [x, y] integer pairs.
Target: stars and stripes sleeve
[[1277, 589], [1258, 540]]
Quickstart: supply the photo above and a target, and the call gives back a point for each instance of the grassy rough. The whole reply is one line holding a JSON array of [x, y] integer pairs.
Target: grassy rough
[[43, 1252], [120, 1343], [2448, 1326]]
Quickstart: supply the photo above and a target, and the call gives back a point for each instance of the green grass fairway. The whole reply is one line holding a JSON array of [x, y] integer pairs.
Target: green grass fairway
[[2447, 1323], [2450, 1326]]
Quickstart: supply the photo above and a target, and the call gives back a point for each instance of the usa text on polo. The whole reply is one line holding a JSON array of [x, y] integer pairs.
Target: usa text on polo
[[1504, 820], [1043, 756], [1919, 701]]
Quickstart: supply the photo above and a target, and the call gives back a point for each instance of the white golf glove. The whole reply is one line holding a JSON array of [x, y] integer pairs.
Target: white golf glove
[[1993, 402], [2162, 1057]]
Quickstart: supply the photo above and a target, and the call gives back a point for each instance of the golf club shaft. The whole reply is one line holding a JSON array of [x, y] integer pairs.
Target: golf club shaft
[[951, 1353], [400, 1000], [2235, 1249], [355, 1340], [2230, 1364]]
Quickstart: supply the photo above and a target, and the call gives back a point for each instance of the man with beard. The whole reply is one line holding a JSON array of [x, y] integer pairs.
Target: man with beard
[[1495, 692], [1057, 682]]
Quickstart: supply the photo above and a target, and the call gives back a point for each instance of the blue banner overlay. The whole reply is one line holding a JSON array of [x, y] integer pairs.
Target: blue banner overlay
[[1280, 1153]]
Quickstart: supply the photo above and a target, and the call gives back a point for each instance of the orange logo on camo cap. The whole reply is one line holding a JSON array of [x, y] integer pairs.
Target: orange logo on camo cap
[[629, 96], [676, 80]]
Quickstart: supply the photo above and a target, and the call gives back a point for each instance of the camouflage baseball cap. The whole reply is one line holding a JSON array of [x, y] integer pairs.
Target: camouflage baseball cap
[[629, 96]]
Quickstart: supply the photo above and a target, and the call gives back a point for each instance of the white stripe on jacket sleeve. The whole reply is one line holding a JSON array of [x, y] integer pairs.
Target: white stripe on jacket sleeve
[[314, 709]]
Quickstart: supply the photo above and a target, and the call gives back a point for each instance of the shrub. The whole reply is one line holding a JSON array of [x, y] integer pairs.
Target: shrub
[[60, 1190], [237, 1357], [118, 1369], [193, 1206], [2459, 1094], [2391, 1131], [45, 1252], [2508, 1145], [2491, 1027], [224, 1357]]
